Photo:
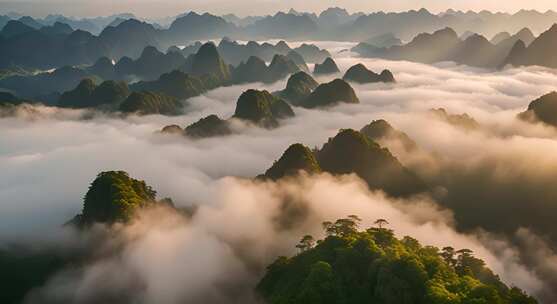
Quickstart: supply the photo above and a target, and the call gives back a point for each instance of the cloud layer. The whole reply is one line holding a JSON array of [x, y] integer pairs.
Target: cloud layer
[[49, 157]]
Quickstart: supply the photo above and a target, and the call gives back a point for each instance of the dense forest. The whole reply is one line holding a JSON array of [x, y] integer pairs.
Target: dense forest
[[373, 266]]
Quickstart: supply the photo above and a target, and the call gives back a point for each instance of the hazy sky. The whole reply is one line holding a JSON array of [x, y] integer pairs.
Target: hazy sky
[[158, 8]]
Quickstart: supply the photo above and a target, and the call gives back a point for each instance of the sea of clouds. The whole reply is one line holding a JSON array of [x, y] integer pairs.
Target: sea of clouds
[[48, 157]]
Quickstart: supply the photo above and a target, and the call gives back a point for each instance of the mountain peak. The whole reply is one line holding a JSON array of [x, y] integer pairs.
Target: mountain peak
[[359, 73], [296, 158], [299, 86], [543, 109], [328, 66], [207, 61], [14, 28], [209, 126], [330, 94], [351, 151], [262, 108], [114, 196]]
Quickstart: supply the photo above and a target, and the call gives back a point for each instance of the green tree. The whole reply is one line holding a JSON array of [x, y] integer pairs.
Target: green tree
[[381, 223], [319, 286], [448, 255], [373, 266], [306, 243], [342, 227]]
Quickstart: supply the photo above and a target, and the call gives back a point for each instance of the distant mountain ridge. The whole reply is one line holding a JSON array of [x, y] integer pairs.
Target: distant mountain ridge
[[125, 35], [540, 52], [445, 45]]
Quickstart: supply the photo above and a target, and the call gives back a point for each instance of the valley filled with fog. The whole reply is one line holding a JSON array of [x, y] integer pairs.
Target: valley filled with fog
[[492, 183]]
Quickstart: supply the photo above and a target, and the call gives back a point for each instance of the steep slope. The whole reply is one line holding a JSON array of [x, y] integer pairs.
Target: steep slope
[[298, 60], [176, 84], [114, 197], [312, 53], [381, 131], [330, 94], [209, 126], [280, 67], [194, 26], [88, 95], [298, 87], [207, 61], [539, 52], [360, 74], [296, 158], [253, 70], [148, 103], [543, 109], [352, 152], [328, 66], [262, 108]]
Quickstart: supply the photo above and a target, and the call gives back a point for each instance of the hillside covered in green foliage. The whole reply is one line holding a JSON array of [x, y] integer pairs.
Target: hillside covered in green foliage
[[373, 266], [330, 94], [114, 196], [145, 103], [351, 152], [262, 108]]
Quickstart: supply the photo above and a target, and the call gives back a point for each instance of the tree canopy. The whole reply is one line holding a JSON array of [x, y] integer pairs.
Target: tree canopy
[[373, 266], [115, 196]]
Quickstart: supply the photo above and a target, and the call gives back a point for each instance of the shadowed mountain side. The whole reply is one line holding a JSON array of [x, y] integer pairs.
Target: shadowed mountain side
[[207, 61], [262, 108], [46, 44], [298, 60], [280, 67], [500, 37], [45, 84], [176, 84], [209, 126], [330, 94], [351, 152], [256, 108], [539, 52], [150, 65], [384, 40], [298, 88], [206, 127], [296, 158], [9, 100], [445, 45], [88, 95], [381, 130], [312, 53], [234, 52], [328, 66], [360, 74], [543, 109], [148, 103], [283, 25], [194, 26], [250, 71], [255, 70]]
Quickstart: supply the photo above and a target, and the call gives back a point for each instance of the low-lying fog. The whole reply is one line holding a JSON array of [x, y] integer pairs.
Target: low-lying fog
[[49, 157]]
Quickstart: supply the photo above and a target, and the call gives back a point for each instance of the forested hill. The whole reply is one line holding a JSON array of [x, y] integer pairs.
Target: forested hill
[[373, 266]]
